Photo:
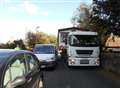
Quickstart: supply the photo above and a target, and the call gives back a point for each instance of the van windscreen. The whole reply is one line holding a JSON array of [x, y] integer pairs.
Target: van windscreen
[[44, 50]]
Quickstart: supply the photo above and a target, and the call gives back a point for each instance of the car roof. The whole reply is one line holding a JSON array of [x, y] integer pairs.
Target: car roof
[[6, 53]]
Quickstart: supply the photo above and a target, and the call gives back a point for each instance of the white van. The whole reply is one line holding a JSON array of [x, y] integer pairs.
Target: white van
[[46, 53]]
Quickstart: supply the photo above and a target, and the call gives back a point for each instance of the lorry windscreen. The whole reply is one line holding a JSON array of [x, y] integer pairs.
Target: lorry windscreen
[[84, 40]]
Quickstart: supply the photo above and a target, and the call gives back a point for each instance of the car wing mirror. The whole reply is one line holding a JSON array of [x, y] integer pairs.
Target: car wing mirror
[[18, 81]]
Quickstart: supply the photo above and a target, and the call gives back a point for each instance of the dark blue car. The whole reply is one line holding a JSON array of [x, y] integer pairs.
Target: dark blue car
[[19, 69]]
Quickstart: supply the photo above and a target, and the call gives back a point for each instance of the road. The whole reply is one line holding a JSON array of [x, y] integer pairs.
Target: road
[[63, 77]]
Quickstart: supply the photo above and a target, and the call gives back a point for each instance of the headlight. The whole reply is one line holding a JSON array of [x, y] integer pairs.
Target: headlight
[[72, 60], [97, 61], [53, 58]]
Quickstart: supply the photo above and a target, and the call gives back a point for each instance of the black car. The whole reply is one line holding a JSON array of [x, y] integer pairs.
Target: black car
[[19, 69]]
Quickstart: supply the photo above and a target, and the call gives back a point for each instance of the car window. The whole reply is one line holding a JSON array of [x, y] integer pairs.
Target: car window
[[16, 69], [31, 61], [7, 77]]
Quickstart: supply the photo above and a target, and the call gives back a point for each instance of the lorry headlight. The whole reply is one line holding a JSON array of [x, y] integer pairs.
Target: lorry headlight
[[72, 60], [97, 61]]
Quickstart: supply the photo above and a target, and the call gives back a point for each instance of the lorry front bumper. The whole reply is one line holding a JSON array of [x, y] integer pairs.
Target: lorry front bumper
[[75, 61]]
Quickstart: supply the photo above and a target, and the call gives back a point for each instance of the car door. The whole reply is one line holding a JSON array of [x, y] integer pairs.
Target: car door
[[16, 70], [34, 75]]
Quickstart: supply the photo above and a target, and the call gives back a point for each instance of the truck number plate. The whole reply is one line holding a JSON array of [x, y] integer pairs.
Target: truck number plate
[[84, 61]]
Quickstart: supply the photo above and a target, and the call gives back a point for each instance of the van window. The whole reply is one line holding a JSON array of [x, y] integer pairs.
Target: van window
[[44, 49]]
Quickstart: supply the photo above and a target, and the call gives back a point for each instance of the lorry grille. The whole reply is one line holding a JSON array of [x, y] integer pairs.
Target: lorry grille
[[84, 51]]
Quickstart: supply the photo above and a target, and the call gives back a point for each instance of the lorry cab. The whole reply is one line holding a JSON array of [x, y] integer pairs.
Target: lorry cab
[[83, 49]]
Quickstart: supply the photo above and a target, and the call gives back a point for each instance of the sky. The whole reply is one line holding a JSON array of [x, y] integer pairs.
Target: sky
[[20, 16]]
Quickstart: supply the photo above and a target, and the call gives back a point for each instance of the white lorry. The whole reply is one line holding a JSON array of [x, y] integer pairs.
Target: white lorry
[[82, 47]]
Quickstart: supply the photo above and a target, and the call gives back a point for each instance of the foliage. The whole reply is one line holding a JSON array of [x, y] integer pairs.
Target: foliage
[[81, 17], [107, 14], [39, 38], [20, 43], [52, 39], [2, 46], [12, 45], [30, 39]]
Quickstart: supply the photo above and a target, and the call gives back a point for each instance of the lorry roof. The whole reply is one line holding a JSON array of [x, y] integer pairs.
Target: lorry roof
[[83, 33], [69, 29]]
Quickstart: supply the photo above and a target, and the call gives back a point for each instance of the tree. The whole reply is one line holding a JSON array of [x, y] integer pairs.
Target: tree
[[52, 39], [81, 17], [12, 45], [106, 18], [39, 38], [2, 46], [107, 13], [20, 43], [30, 39]]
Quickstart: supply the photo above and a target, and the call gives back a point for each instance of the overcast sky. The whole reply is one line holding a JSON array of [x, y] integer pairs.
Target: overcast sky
[[19, 16]]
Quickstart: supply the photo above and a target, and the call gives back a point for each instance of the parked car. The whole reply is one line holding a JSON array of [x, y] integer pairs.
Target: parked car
[[19, 69], [46, 53]]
